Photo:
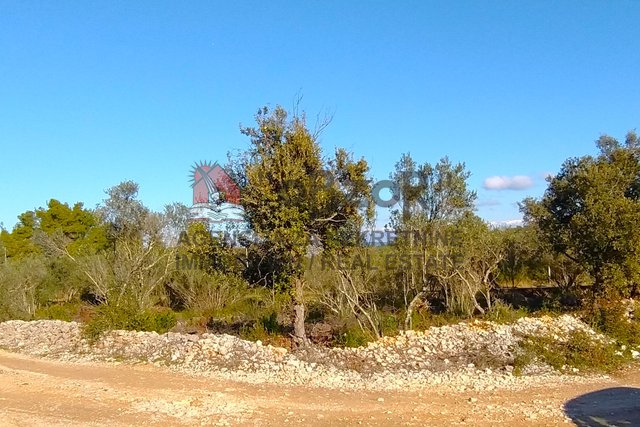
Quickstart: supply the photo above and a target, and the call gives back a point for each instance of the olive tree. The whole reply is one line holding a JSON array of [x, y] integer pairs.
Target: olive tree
[[293, 196], [432, 197]]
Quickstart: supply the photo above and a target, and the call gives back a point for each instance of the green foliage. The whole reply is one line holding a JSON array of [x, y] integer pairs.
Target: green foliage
[[123, 213], [292, 194], [579, 350], [610, 318], [390, 324], [504, 313], [64, 311], [354, 337], [135, 262], [266, 329], [63, 282], [591, 213], [294, 198], [19, 283], [110, 317], [216, 294], [456, 252], [431, 193], [76, 229], [19, 242], [79, 227], [37, 267], [199, 248]]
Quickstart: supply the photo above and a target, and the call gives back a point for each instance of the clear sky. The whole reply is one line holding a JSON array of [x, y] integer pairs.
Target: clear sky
[[94, 93]]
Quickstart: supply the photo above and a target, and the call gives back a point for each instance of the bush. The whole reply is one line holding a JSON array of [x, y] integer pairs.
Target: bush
[[389, 324], [504, 313], [66, 312], [63, 282], [427, 319], [19, 281], [112, 317], [267, 330], [610, 318], [579, 350], [353, 337], [213, 293]]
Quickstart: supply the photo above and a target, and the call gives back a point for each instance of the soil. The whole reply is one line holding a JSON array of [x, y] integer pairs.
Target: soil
[[54, 393]]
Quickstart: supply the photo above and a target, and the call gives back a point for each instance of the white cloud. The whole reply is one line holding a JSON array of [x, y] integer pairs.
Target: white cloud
[[517, 182]]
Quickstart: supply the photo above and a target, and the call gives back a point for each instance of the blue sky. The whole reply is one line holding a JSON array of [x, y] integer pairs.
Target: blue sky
[[94, 93]]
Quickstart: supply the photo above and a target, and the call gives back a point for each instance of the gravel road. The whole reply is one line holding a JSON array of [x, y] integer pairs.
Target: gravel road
[[35, 391]]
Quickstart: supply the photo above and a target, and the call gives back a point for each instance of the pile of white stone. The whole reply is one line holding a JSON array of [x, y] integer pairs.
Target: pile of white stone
[[471, 355]]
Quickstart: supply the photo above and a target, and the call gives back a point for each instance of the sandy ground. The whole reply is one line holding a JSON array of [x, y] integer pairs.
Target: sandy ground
[[52, 393]]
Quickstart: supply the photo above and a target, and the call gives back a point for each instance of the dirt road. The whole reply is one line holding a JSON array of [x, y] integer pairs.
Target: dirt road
[[52, 393]]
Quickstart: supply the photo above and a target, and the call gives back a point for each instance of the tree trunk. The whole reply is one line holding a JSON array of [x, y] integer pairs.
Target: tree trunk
[[408, 321], [299, 333], [598, 286]]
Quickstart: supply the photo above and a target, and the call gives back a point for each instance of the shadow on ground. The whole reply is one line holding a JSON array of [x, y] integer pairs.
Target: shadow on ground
[[618, 406]]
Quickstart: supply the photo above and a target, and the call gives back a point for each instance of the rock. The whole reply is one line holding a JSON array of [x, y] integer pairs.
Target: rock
[[439, 356]]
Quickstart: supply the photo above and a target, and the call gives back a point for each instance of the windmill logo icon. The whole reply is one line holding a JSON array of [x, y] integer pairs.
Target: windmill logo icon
[[212, 185], [216, 198]]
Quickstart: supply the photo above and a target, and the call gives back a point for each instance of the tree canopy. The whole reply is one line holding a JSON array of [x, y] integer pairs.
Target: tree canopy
[[591, 213], [294, 197]]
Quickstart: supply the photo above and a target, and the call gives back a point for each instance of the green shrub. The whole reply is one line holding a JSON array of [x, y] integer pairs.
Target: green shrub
[[112, 317], [19, 281], [267, 330], [389, 324], [579, 350], [213, 292], [609, 318], [504, 313], [66, 311], [256, 332], [270, 323], [354, 337], [427, 319]]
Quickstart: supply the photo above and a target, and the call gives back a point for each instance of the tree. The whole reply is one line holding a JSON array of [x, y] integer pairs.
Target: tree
[[80, 228], [431, 193], [19, 242], [132, 263], [431, 199], [479, 251], [293, 197], [176, 219], [122, 211], [590, 212], [19, 280]]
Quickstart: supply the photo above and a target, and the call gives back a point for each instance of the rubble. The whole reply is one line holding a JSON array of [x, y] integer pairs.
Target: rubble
[[475, 355]]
